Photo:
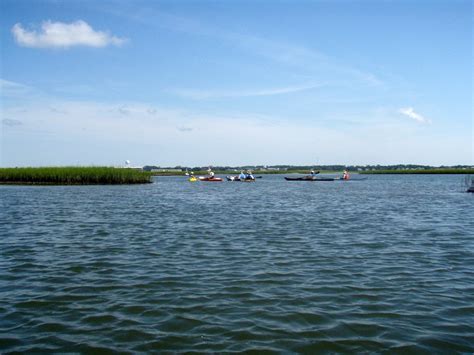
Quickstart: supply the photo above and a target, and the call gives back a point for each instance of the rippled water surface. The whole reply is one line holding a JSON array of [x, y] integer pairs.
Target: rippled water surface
[[383, 265]]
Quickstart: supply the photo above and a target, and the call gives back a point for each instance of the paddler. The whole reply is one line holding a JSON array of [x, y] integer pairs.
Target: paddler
[[210, 172], [192, 177], [249, 175], [345, 175], [311, 176], [242, 176]]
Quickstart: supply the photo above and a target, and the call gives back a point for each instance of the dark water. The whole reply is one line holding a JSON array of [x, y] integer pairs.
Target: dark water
[[383, 265]]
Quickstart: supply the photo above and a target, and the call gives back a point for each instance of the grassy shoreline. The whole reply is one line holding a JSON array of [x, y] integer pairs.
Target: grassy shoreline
[[421, 171], [73, 176], [121, 176]]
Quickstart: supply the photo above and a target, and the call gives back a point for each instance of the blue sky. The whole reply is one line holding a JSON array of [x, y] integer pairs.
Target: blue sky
[[231, 83]]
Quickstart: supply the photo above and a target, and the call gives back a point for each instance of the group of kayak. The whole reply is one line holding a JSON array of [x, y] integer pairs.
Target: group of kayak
[[249, 177], [243, 177]]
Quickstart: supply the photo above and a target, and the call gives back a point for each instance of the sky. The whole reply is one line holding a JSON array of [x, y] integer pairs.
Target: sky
[[196, 83]]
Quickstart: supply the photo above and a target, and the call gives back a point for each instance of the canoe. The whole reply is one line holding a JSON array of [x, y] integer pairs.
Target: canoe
[[308, 178], [202, 178]]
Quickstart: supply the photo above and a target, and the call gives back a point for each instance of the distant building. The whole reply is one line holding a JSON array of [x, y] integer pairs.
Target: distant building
[[128, 166], [164, 170]]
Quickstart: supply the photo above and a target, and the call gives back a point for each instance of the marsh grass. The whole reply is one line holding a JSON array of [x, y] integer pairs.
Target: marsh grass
[[73, 176]]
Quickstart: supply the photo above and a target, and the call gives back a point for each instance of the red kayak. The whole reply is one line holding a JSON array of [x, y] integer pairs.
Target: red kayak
[[207, 178]]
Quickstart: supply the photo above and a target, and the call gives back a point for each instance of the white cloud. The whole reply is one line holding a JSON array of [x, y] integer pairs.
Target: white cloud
[[63, 35], [11, 122], [213, 94], [11, 88], [185, 129], [288, 53], [178, 136], [410, 112]]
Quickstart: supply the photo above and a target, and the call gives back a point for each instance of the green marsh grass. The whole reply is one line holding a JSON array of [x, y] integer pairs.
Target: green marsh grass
[[73, 176]]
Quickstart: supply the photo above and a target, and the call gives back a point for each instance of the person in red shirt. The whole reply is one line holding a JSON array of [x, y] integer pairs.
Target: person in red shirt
[[345, 175]]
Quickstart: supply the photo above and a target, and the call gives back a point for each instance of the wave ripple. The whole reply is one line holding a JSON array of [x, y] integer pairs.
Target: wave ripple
[[384, 265]]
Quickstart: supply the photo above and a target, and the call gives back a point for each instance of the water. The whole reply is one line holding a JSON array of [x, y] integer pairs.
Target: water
[[383, 265]]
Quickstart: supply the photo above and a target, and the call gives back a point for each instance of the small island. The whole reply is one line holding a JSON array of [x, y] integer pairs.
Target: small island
[[73, 176]]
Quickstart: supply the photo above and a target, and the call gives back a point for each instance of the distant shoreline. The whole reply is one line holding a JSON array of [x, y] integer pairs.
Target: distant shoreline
[[420, 171], [282, 172], [76, 176]]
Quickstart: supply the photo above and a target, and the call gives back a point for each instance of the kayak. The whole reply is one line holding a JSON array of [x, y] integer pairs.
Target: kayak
[[207, 178], [236, 178], [308, 178], [352, 179], [193, 179], [469, 181]]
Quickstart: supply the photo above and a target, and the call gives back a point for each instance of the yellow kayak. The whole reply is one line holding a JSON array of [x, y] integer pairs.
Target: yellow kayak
[[192, 179]]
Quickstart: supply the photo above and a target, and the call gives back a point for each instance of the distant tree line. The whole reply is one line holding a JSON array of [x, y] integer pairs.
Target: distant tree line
[[336, 167]]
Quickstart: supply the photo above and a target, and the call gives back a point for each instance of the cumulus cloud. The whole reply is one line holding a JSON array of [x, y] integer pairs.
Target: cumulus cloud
[[410, 112], [63, 35]]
